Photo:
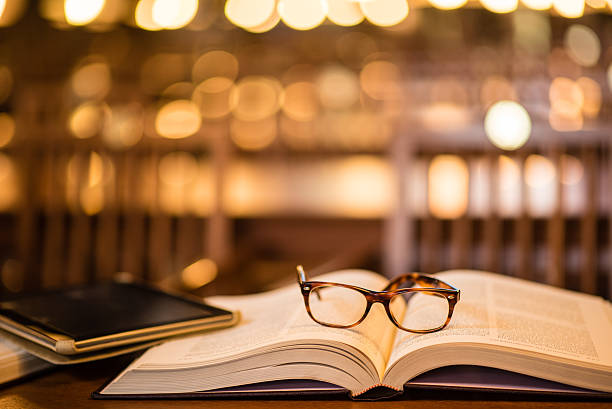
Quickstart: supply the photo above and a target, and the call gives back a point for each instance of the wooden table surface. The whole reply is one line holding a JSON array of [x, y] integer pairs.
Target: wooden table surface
[[70, 387]]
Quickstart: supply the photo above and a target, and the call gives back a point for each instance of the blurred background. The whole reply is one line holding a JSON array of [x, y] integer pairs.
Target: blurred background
[[183, 140]]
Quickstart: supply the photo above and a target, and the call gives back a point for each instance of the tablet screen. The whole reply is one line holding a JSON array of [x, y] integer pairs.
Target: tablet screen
[[105, 309]]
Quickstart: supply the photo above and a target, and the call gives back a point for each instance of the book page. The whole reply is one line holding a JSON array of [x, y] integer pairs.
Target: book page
[[506, 311], [275, 317]]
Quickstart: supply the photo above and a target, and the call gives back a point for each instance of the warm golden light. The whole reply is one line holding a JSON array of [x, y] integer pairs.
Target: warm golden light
[[177, 172], [92, 192], [255, 98], [7, 129], [337, 87], [507, 125], [249, 13], [566, 104], [539, 171], [361, 186], [11, 11], [92, 81], [87, 120], [144, 15], [381, 80], [572, 170], [253, 135], [500, 6], [81, 12], [302, 15], [455, 116], [300, 101], [448, 180], [540, 177], [212, 97], [253, 189], [199, 273], [344, 12], [508, 187], [178, 119], [9, 194], [582, 45], [591, 92], [385, 13], [124, 126], [216, 63], [447, 4], [174, 14], [177, 169], [538, 4], [569, 8]]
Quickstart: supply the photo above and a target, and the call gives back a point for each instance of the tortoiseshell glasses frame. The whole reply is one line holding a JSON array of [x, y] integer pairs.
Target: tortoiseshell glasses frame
[[429, 285]]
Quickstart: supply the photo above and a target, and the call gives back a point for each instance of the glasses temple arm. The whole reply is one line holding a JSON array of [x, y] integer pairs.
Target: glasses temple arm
[[301, 275]]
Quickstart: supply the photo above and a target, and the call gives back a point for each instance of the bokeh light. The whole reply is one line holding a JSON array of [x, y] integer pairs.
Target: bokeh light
[[11, 11], [253, 135], [361, 186], [538, 4], [569, 8], [199, 273], [216, 63], [173, 14], [92, 81], [7, 129], [591, 92], [143, 15], [337, 87], [212, 97], [507, 125], [255, 98], [124, 126], [509, 196], [9, 194], [249, 14], [300, 101], [178, 119], [87, 119], [385, 13], [566, 103], [344, 12], [572, 170], [302, 15], [381, 80], [500, 6], [81, 12], [176, 172], [541, 180], [448, 181], [582, 45], [447, 4]]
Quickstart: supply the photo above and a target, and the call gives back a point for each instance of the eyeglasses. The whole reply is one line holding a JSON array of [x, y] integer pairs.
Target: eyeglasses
[[414, 302]]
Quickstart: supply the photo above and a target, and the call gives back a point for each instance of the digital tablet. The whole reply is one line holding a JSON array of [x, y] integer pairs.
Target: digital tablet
[[107, 315]]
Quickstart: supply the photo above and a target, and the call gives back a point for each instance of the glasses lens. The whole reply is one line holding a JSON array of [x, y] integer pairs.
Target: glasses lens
[[336, 305], [423, 310]]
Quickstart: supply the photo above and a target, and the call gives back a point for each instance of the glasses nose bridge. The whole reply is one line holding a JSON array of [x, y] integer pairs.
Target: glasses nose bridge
[[378, 297]]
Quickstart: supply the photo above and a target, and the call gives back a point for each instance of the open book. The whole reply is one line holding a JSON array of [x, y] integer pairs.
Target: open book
[[500, 322]]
